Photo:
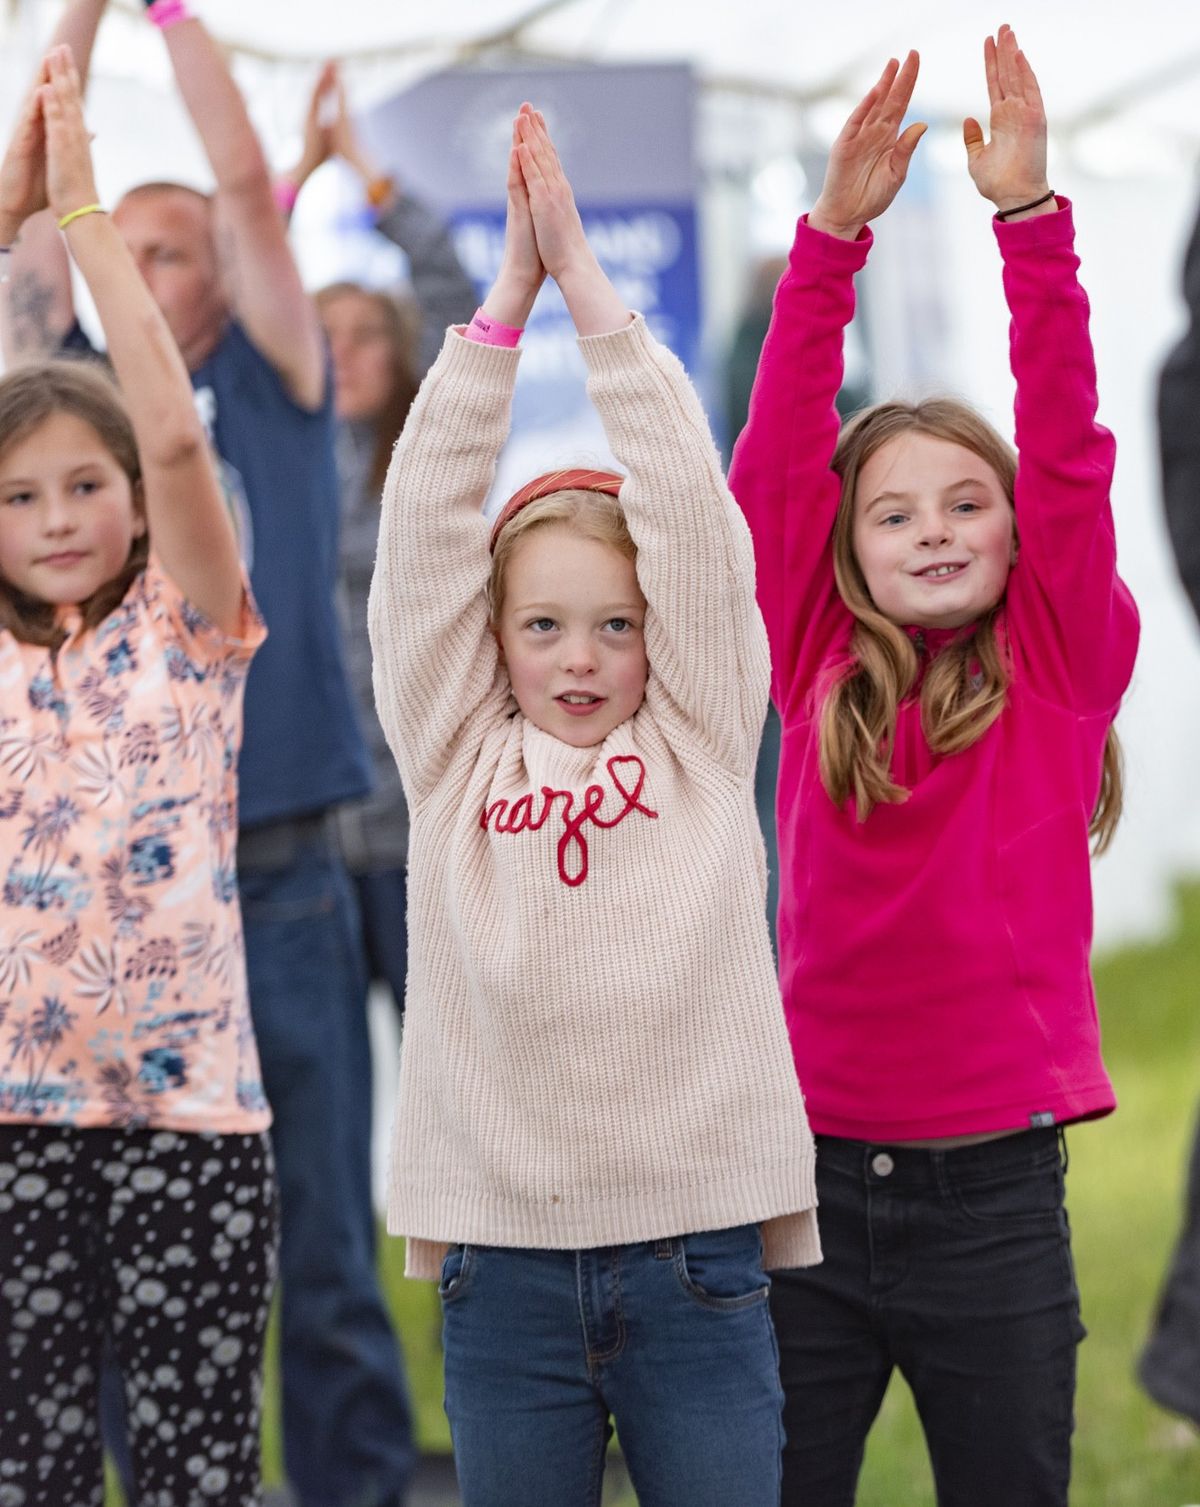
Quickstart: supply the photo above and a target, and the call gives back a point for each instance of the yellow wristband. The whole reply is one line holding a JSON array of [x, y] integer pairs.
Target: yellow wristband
[[88, 209]]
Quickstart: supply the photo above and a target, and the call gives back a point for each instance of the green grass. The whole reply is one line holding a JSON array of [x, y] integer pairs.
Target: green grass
[[1124, 1191]]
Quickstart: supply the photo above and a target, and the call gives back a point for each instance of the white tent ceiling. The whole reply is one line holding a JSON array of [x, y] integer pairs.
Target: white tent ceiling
[[1101, 61]]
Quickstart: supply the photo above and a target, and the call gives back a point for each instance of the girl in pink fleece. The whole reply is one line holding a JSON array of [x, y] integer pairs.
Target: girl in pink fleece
[[950, 643]]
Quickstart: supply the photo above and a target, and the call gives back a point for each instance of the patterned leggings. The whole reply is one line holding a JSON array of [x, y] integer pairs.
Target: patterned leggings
[[166, 1240]]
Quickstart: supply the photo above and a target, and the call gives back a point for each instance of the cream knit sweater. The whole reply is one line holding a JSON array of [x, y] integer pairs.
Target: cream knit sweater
[[594, 1050]]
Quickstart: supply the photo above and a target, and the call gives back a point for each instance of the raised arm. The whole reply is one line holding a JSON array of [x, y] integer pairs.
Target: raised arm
[[436, 661], [190, 529], [264, 283], [443, 292], [780, 469], [37, 309], [1064, 585], [704, 637]]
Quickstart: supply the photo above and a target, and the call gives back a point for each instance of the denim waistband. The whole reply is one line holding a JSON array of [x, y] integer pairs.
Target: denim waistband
[[877, 1162]]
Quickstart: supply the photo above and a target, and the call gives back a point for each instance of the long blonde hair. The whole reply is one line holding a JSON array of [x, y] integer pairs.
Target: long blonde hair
[[965, 687]]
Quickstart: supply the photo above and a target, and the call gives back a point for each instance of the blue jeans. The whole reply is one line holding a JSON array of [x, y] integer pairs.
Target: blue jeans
[[383, 928], [383, 909], [672, 1338], [347, 1429], [955, 1267]]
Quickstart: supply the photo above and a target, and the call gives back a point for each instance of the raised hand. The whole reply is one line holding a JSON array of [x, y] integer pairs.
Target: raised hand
[[522, 257], [521, 271], [318, 136], [342, 135], [23, 171], [869, 160], [70, 178], [594, 304], [1010, 169], [561, 241]]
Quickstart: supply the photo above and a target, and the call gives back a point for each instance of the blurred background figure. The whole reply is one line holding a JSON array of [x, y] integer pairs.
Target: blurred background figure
[[1170, 1363], [382, 342]]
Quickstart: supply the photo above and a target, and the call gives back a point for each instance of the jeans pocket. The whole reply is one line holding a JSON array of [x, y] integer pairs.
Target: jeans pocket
[[1030, 1195], [457, 1266], [722, 1269]]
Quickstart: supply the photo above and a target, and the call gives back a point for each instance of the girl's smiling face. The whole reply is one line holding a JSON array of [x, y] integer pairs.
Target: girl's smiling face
[[933, 532], [571, 630], [67, 512]]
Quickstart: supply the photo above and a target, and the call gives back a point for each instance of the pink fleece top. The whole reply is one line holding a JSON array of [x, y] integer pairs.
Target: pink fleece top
[[934, 958]]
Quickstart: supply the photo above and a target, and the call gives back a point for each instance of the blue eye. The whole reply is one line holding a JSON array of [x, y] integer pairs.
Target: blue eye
[[890, 518], [541, 624], [966, 506], [618, 624]]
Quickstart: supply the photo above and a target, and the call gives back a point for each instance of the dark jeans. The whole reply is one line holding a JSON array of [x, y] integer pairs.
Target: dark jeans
[[383, 910], [1170, 1363], [955, 1267], [671, 1337], [347, 1428], [382, 897]]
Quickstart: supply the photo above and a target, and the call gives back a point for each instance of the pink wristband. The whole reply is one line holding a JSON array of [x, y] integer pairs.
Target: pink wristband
[[166, 13], [487, 331], [285, 192]]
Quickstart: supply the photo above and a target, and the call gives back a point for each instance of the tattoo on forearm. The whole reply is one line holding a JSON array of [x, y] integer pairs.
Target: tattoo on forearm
[[30, 302]]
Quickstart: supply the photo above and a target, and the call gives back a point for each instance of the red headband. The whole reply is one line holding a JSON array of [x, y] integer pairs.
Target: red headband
[[554, 481]]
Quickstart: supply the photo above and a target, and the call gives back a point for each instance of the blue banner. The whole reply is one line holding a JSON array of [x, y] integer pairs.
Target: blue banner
[[626, 137]]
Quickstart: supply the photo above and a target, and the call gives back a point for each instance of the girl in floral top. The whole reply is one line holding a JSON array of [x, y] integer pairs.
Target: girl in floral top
[[136, 1190]]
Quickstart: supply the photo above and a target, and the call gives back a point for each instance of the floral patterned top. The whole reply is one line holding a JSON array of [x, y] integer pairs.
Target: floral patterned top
[[123, 998]]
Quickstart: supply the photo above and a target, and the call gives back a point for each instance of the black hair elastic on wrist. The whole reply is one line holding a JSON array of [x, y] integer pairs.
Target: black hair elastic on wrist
[[1003, 214]]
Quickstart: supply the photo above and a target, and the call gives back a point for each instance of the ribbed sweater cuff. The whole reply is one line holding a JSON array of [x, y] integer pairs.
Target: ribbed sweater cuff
[[617, 351], [490, 366]]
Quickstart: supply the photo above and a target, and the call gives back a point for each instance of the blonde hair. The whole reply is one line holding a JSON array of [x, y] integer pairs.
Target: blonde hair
[[592, 515], [965, 687], [29, 395]]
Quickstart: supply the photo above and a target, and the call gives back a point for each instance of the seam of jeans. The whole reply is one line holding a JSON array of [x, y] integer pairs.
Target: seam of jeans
[[596, 1485], [458, 1283], [1033, 1219], [711, 1301], [601, 1357]]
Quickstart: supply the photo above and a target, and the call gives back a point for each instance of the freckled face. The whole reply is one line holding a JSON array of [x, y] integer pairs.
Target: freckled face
[[571, 628], [67, 514], [932, 532]]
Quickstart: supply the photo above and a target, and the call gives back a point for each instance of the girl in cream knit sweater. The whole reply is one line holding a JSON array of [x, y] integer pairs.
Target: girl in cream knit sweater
[[600, 1144]]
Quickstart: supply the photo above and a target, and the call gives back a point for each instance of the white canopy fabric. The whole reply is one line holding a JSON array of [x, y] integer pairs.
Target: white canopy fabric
[[1099, 60]]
